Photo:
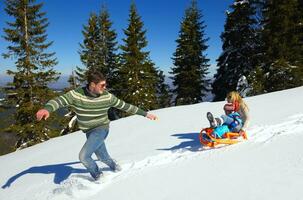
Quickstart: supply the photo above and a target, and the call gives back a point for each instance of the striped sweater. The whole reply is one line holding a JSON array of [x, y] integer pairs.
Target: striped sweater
[[91, 111]]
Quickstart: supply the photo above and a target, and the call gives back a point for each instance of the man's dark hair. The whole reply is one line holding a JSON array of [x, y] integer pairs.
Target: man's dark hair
[[95, 77]]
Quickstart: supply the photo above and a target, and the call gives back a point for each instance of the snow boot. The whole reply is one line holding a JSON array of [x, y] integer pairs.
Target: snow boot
[[113, 165], [97, 176], [214, 122]]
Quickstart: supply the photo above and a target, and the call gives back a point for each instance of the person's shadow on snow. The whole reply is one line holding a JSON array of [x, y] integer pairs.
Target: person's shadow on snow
[[191, 143], [61, 172]]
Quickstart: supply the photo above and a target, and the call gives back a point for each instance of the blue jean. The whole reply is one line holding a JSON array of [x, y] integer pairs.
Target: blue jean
[[95, 144]]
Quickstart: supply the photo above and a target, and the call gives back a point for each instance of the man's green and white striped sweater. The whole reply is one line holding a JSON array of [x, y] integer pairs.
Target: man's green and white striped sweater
[[91, 111]]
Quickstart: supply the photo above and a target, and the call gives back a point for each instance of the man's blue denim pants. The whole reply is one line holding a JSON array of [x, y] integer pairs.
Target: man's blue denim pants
[[95, 144]]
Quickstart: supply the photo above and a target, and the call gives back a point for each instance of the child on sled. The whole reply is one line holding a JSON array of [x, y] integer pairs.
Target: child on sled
[[236, 116]]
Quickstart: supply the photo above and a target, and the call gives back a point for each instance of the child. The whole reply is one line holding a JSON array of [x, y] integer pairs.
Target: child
[[236, 116]]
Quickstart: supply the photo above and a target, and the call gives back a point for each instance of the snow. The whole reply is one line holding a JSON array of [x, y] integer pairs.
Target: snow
[[163, 159], [241, 2]]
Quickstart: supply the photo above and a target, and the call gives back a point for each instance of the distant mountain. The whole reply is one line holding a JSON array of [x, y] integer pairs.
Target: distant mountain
[[60, 84], [4, 79]]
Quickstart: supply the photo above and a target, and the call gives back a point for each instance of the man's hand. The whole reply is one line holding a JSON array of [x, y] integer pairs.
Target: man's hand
[[42, 113], [151, 116]]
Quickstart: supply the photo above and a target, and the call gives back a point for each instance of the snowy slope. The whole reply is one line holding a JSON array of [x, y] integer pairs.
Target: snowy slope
[[163, 159]]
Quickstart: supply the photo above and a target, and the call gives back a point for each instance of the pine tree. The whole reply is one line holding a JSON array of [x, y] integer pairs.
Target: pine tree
[[68, 123], [299, 28], [256, 78], [108, 58], [257, 81], [137, 74], [89, 49], [163, 91], [81, 74], [283, 46], [190, 63], [107, 45], [241, 44], [72, 80], [98, 51], [27, 34]]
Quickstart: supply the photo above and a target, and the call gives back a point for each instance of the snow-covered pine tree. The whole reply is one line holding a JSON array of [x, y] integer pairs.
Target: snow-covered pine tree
[[240, 48], [34, 69], [137, 74], [190, 63], [283, 46], [243, 87]]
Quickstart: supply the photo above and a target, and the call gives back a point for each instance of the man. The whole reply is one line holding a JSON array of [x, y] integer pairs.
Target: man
[[91, 104]]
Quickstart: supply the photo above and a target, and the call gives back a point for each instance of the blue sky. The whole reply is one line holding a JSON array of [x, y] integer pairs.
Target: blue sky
[[161, 19]]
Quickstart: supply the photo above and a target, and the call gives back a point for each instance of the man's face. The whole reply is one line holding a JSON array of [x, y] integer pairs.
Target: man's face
[[98, 88]]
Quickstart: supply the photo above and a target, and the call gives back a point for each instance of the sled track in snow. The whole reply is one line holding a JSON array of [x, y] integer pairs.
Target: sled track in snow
[[264, 134]]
